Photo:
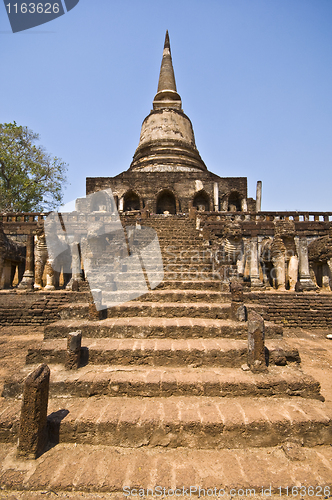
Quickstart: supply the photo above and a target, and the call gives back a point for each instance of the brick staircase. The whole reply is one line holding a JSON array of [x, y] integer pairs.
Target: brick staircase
[[164, 370]]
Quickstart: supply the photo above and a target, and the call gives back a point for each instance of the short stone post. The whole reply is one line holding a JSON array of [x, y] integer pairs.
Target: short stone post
[[28, 276], [73, 358], [33, 421], [256, 343], [238, 309], [95, 304]]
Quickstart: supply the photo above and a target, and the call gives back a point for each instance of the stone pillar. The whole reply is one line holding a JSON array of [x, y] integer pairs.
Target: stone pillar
[[279, 272], [304, 272], [49, 275], [325, 278], [259, 196], [244, 206], [121, 204], [28, 276], [216, 196], [293, 271], [329, 263], [33, 420], [240, 263], [256, 342], [192, 213], [73, 358], [254, 263], [75, 266], [238, 309], [95, 305]]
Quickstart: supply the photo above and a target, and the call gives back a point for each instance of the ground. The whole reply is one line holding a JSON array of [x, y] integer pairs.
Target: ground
[[108, 470]]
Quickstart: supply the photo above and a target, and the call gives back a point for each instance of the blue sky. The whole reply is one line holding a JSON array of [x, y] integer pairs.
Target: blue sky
[[255, 77]]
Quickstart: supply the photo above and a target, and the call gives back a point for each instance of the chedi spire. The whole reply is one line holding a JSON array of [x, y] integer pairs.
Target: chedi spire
[[167, 96]]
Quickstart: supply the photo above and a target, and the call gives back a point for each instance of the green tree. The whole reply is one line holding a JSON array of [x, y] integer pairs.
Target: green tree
[[30, 179]]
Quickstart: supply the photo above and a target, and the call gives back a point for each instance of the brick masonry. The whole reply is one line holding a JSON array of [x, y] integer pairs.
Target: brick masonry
[[35, 308], [307, 310]]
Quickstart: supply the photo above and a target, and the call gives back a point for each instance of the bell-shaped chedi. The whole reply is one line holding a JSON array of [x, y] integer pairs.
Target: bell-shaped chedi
[[167, 142]]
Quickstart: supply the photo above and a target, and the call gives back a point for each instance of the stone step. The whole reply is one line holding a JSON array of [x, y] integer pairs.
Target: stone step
[[161, 352], [146, 381], [211, 284], [178, 284], [144, 327], [167, 295], [66, 472], [153, 310], [176, 422], [183, 273]]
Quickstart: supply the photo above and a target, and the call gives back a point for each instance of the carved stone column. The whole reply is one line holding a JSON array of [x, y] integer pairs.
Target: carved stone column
[[49, 275], [329, 263], [293, 270], [216, 196], [326, 278], [304, 272], [280, 275], [254, 264], [75, 265], [29, 275]]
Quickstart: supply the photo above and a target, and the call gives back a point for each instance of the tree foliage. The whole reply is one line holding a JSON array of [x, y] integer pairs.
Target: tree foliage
[[30, 179]]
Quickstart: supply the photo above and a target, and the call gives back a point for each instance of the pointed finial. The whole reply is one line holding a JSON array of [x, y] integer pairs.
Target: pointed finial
[[167, 44], [167, 96]]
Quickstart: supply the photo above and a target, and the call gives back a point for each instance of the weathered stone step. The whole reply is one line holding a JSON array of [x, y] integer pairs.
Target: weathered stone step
[[145, 381], [166, 295], [211, 284], [190, 422], [183, 273], [153, 310], [224, 472], [161, 352], [145, 327]]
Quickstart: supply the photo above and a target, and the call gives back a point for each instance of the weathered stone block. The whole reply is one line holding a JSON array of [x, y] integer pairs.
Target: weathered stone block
[[73, 358], [33, 421], [256, 342]]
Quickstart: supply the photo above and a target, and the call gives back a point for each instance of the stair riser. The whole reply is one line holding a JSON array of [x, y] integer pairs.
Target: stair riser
[[229, 359], [115, 387], [214, 297], [213, 312], [174, 332], [194, 435]]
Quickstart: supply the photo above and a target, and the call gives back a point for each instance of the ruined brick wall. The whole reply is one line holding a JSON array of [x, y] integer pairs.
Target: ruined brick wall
[[306, 310], [184, 185], [34, 308]]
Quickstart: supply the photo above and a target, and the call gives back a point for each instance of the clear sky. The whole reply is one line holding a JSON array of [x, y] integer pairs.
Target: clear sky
[[255, 77]]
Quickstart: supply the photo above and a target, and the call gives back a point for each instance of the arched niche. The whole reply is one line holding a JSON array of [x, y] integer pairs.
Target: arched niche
[[166, 202], [234, 202], [131, 201], [201, 201]]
